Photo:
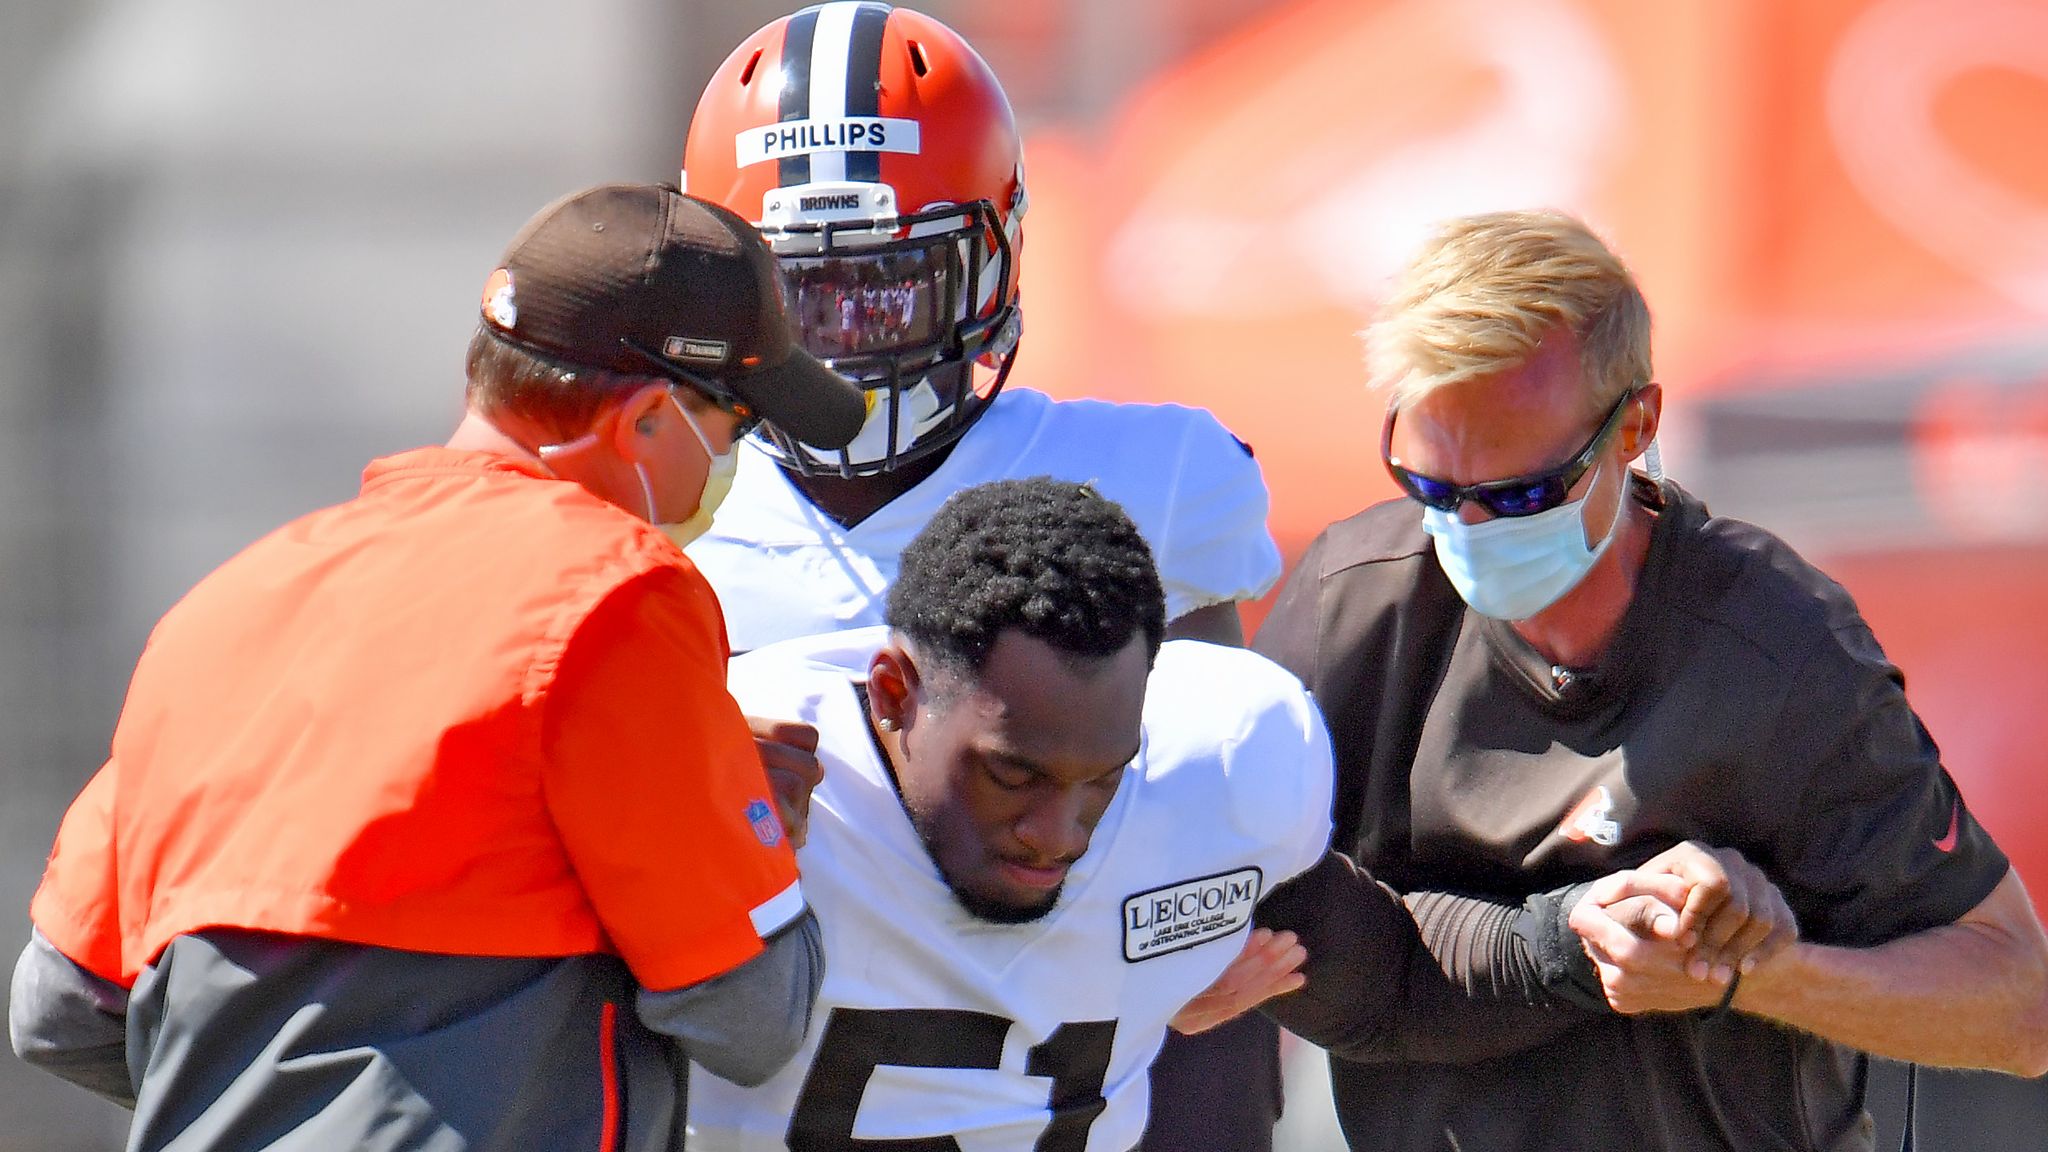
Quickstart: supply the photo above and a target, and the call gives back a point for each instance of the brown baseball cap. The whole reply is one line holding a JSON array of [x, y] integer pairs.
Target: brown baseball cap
[[644, 280]]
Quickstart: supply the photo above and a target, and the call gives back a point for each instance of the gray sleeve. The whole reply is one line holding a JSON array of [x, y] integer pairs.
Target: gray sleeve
[[744, 1026], [69, 1022]]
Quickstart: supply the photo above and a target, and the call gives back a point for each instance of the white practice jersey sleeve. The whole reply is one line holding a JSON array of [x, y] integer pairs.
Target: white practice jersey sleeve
[[782, 569], [1015, 1038]]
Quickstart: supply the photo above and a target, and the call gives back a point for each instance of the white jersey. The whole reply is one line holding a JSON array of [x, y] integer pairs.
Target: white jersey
[[783, 569], [1008, 1038]]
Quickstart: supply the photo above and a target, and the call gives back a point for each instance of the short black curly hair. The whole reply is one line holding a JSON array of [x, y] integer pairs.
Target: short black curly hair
[[1049, 558]]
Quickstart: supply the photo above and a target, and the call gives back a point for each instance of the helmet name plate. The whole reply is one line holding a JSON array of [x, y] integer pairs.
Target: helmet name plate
[[841, 134]]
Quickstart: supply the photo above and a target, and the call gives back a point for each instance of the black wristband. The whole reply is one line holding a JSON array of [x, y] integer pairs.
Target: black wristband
[[1728, 997], [1562, 964]]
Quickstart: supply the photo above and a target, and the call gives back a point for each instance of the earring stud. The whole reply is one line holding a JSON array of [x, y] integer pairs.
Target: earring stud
[[886, 724]]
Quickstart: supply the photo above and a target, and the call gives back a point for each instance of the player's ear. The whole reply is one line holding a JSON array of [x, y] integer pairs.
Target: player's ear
[[892, 686]]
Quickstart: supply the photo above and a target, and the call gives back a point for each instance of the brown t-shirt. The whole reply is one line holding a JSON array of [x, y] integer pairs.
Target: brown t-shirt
[[1743, 703]]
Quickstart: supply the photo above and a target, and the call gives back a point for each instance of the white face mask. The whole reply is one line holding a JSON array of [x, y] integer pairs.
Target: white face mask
[[917, 409], [1512, 567], [717, 482]]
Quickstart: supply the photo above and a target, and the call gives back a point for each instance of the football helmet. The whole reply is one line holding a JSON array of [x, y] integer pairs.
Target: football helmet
[[880, 159]]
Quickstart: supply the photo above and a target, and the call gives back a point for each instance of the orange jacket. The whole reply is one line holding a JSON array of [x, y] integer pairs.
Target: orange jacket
[[473, 711]]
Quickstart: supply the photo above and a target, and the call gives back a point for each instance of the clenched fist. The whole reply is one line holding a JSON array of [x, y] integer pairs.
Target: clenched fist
[[789, 754]]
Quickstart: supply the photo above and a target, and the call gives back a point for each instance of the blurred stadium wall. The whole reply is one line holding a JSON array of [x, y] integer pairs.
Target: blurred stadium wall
[[240, 246]]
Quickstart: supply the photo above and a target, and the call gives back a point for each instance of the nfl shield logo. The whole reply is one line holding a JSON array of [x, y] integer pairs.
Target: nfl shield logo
[[766, 827]]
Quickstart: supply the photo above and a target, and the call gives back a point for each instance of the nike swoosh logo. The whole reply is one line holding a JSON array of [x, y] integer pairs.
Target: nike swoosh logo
[[1948, 842]]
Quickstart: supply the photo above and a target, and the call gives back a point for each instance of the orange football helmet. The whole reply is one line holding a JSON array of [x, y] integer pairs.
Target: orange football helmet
[[881, 161]]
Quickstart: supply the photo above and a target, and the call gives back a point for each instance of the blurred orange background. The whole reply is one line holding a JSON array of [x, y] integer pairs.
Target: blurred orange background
[[1818, 198]]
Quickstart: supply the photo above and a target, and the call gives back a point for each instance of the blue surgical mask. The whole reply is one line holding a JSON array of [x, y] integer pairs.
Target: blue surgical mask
[[1512, 567]]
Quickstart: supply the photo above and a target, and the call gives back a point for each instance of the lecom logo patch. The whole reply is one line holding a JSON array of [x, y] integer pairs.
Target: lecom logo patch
[[1192, 912]]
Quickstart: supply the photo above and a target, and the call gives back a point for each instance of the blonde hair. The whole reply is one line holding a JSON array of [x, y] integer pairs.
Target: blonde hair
[[1487, 289]]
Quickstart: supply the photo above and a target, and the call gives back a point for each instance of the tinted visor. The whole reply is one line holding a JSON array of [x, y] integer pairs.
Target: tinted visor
[[858, 303]]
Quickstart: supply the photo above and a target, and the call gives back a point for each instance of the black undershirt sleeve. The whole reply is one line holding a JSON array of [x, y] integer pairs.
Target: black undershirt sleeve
[[1439, 978]]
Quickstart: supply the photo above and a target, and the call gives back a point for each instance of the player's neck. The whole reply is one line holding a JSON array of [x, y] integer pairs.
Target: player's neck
[[848, 500]]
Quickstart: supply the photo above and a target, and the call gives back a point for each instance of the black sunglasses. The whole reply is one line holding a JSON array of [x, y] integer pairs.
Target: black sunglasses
[[708, 387], [1515, 496]]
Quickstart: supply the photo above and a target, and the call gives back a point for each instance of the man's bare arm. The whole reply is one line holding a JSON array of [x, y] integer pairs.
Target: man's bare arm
[[1972, 994]]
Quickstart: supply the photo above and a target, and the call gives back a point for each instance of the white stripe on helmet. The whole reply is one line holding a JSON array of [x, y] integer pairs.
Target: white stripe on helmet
[[831, 44]]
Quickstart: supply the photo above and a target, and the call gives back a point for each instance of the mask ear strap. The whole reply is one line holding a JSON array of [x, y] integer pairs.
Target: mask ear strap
[[647, 491], [547, 452], [695, 430], [1653, 460], [550, 451]]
